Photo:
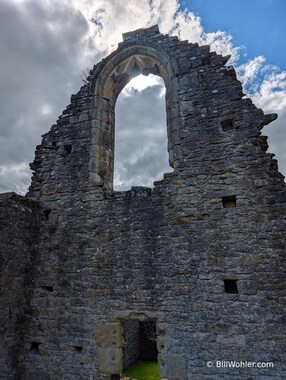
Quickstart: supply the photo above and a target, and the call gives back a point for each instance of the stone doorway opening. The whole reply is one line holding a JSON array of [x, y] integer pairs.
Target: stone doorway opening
[[140, 342]]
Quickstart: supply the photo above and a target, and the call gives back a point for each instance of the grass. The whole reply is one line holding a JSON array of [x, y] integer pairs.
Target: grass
[[143, 371]]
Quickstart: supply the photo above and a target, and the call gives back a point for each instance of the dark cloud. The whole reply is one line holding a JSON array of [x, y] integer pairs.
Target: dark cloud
[[42, 52]]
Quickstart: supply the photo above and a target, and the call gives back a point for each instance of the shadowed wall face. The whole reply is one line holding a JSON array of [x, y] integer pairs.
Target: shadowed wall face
[[131, 349]]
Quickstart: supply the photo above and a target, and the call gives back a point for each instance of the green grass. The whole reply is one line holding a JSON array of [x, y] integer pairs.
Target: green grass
[[143, 371]]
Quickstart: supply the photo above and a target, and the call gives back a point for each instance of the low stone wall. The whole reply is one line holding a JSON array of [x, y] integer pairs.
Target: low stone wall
[[18, 236]]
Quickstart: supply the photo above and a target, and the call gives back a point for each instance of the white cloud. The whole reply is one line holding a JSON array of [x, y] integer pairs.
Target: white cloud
[[188, 26], [112, 18], [107, 32], [272, 92], [271, 97], [247, 72], [141, 82], [266, 85], [14, 178]]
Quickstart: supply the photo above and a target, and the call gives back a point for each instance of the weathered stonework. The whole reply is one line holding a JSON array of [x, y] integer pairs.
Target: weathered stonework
[[81, 259], [19, 233]]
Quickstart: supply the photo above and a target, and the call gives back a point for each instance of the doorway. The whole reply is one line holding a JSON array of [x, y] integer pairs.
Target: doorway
[[140, 342]]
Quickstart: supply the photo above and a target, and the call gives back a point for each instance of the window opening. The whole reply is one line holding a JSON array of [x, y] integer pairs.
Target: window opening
[[230, 286], [227, 125], [67, 150], [48, 288], [229, 202], [35, 347], [47, 214], [141, 155], [76, 348]]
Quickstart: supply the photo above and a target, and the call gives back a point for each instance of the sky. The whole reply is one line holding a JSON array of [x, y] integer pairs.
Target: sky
[[47, 45]]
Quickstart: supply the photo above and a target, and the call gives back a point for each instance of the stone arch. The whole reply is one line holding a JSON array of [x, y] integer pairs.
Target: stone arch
[[109, 81]]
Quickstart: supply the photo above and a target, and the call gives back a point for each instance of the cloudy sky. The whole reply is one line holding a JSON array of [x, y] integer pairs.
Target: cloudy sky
[[45, 46]]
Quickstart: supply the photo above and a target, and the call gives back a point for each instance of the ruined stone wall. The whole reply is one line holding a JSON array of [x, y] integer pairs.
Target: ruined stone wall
[[160, 254], [164, 256], [18, 221]]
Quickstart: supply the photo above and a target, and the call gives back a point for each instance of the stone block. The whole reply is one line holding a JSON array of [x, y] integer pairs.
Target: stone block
[[176, 367], [109, 335], [109, 360]]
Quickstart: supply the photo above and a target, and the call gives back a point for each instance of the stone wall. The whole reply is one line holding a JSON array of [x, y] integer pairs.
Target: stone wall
[[131, 348], [161, 254], [18, 220]]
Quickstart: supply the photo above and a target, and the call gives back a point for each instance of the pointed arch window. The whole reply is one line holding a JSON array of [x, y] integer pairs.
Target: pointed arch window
[[141, 155]]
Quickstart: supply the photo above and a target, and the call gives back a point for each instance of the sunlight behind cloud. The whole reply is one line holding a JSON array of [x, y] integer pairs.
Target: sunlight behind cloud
[[141, 82], [46, 109]]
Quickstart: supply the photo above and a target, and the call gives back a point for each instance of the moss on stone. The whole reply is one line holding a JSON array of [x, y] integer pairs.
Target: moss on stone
[[143, 371]]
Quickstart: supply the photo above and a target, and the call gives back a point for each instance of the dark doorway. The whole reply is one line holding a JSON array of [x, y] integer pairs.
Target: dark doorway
[[139, 342], [148, 345]]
